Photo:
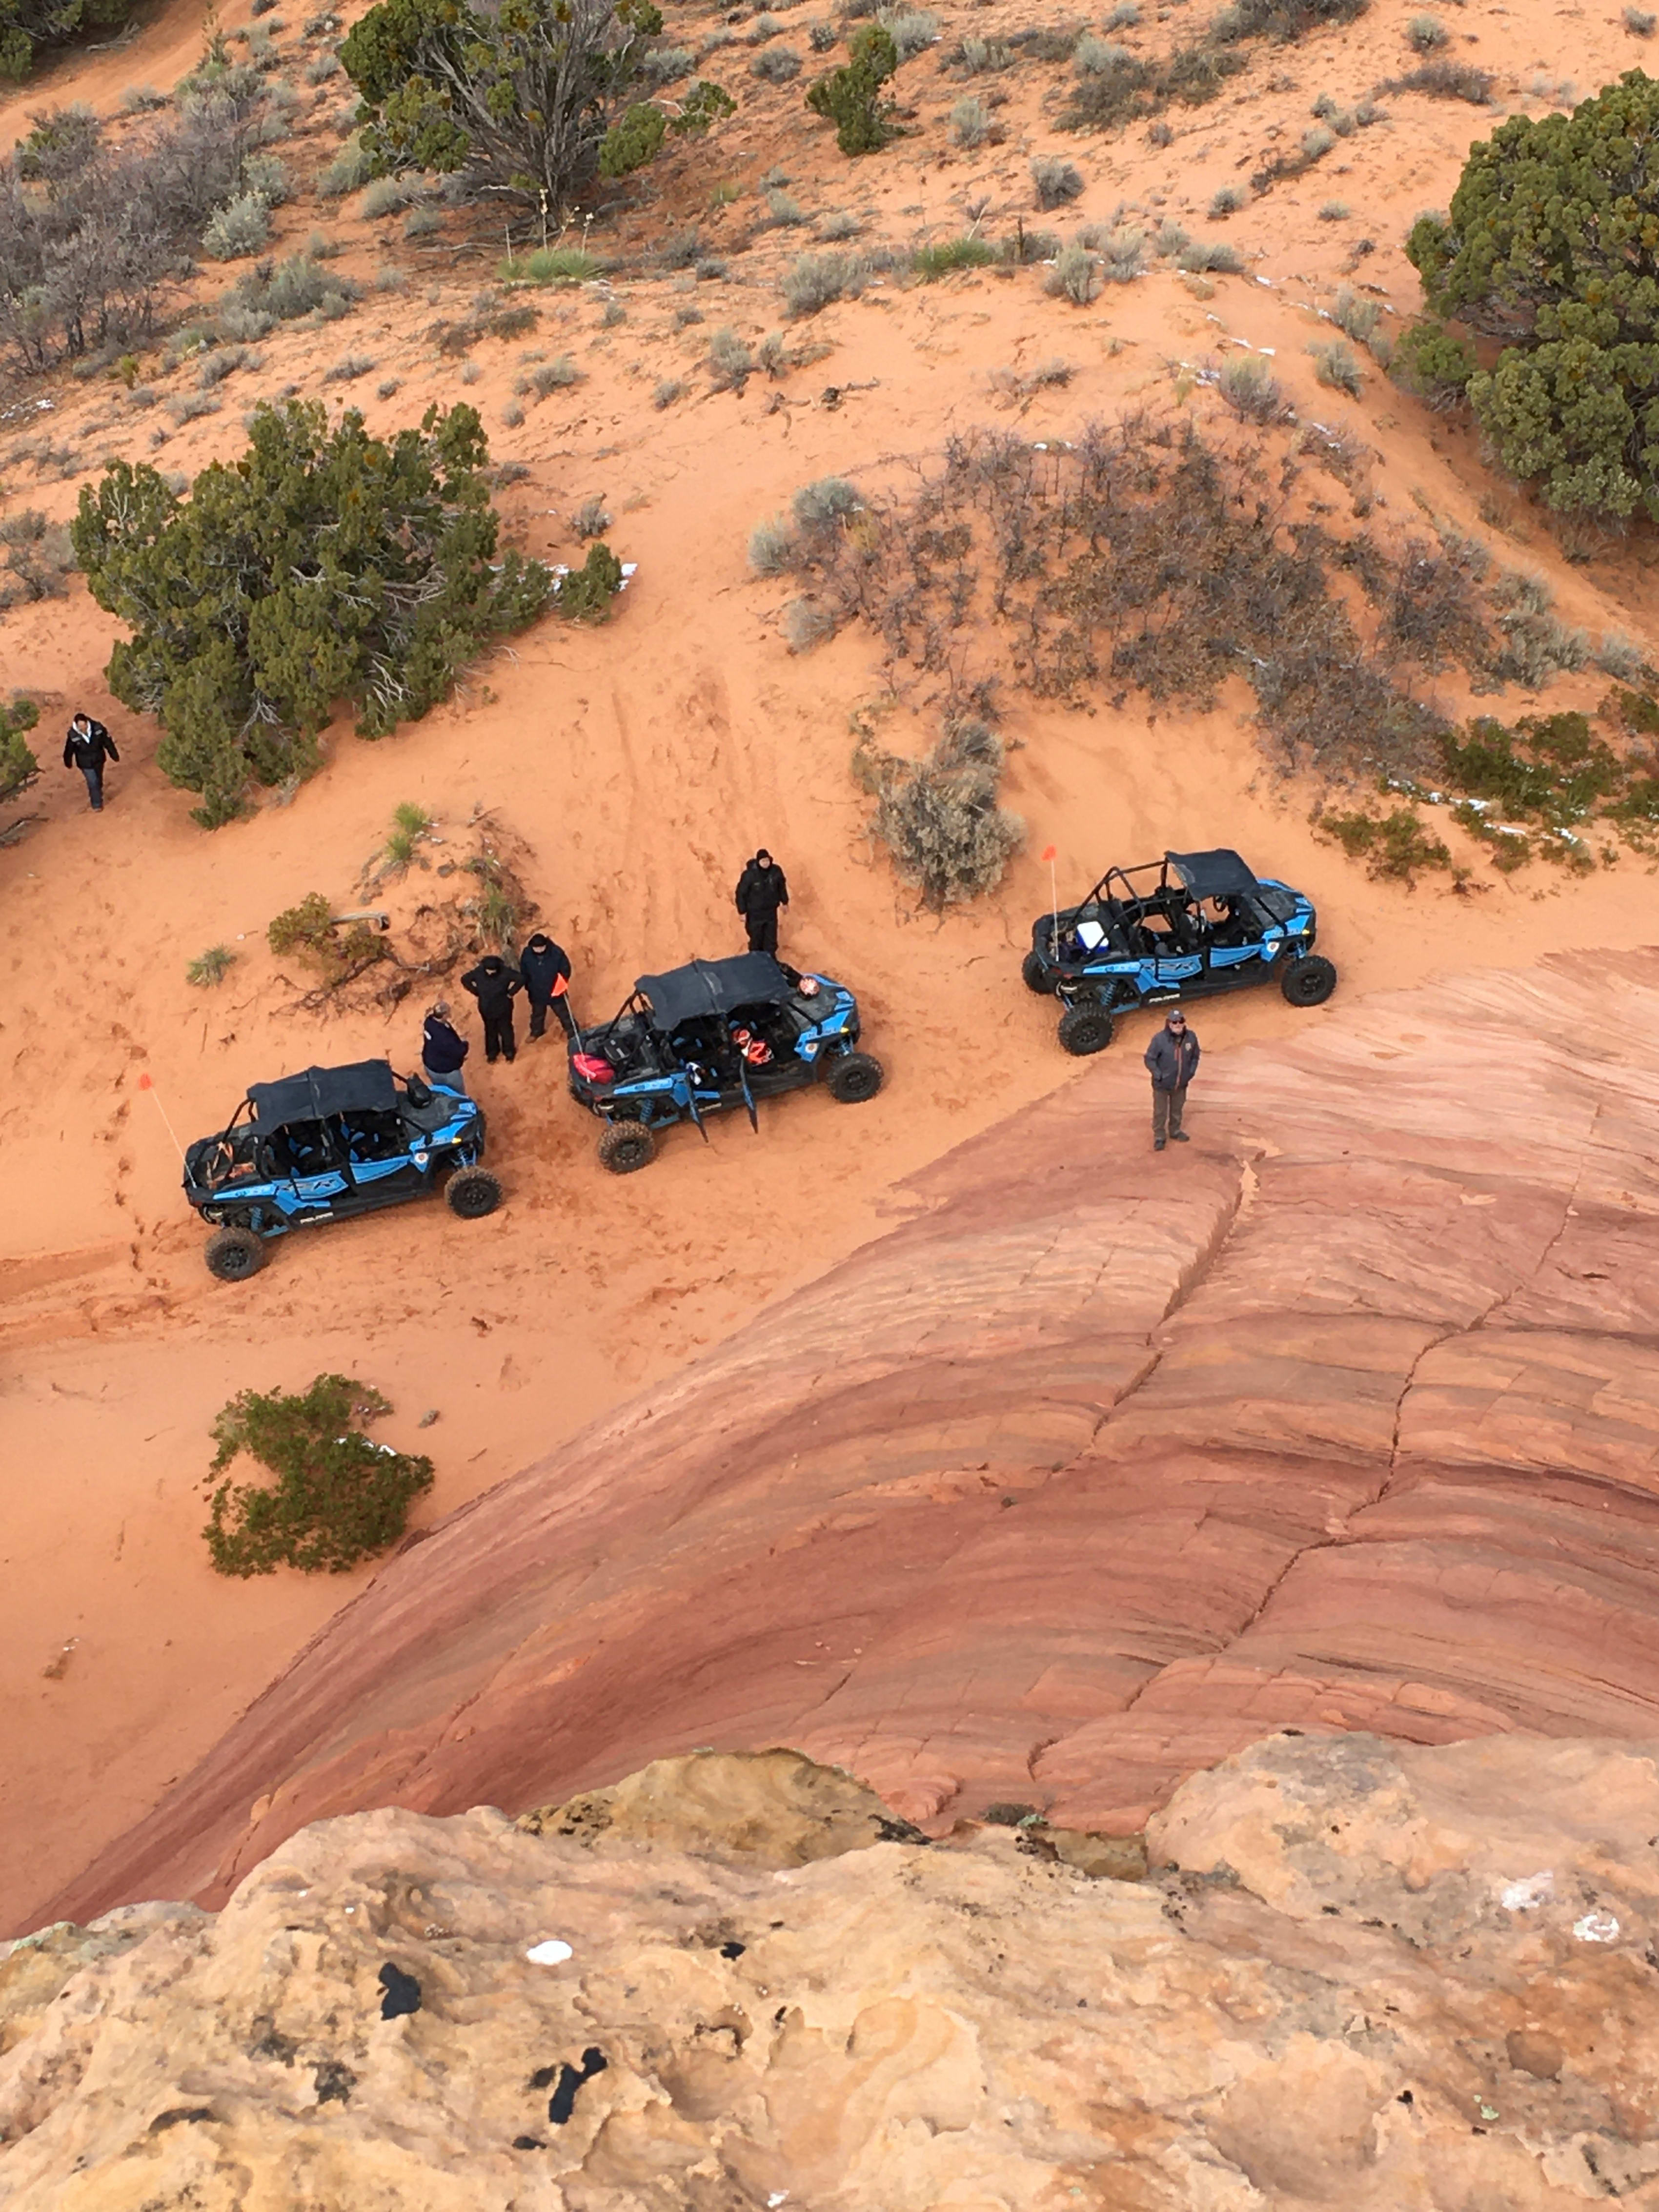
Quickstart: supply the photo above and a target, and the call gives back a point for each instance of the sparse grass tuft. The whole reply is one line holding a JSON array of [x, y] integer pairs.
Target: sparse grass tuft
[[210, 968], [945, 259], [551, 265]]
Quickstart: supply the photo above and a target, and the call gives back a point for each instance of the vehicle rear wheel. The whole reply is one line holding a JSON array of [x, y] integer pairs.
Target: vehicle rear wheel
[[472, 1192], [627, 1147], [854, 1077], [1034, 970], [1085, 1029], [1308, 981], [233, 1253]]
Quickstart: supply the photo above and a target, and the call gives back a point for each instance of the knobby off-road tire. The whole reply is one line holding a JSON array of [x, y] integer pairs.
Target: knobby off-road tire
[[1308, 981], [1035, 975], [234, 1253], [472, 1192], [627, 1147], [855, 1076], [1085, 1029]]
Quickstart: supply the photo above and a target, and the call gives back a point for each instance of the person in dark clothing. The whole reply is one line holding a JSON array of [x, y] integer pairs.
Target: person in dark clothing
[[492, 983], [545, 967], [762, 890], [443, 1051], [1172, 1060], [86, 747]]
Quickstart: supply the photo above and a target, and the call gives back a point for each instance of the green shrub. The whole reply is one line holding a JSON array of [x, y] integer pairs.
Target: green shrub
[[932, 262], [831, 499], [323, 565], [1540, 248], [211, 967], [850, 97], [532, 100], [586, 593], [334, 951], [337, 1499], [1431, 364], [1395, 846], [551, 265], [18, 766]]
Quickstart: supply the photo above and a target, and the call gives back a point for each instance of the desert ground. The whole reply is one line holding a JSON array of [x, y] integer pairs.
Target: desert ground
[[633, 767]]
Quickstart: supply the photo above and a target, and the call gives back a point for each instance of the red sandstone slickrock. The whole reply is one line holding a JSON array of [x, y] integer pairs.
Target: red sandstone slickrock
[[1099, 1467], [1361, 1976]]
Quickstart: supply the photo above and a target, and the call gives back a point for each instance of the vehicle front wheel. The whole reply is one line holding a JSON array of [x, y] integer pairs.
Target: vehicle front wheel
[[855, 1076], [472, 1192], [1035, 971], [235, 1253], [1085, 1029], [627, 1147], [1308, 981]]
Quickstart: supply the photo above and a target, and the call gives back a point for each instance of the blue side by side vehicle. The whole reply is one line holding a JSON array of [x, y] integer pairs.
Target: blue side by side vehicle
[[1189, 925], [711, 1035], [328, 1143]]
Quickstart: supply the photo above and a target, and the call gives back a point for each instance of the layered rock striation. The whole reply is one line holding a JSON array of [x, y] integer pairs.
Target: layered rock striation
[[1360, 1975], [1099, 1466]]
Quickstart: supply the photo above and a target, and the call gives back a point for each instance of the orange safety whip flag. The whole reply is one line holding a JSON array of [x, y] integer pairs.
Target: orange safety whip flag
[[146, 1084]]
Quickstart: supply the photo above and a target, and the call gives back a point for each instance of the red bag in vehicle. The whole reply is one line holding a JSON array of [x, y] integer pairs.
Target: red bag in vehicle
[[591, 1068]]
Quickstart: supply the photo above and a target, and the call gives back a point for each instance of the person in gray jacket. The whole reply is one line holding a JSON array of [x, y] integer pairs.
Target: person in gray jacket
[[1172, 1058]]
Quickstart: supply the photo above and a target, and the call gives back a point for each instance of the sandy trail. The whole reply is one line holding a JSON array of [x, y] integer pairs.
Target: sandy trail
[[640, 764]]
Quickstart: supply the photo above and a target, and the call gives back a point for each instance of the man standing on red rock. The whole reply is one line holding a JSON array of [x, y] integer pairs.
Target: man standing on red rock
[[1172, 1058]]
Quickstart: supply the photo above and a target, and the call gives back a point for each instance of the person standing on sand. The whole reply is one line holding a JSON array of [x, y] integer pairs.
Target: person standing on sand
[[1172, 1060], [88, 746], [443, 1051], [762, 890], [492, 983], [545, 967]]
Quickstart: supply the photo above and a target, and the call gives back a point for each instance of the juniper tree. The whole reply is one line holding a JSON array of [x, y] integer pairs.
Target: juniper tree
[[321, 566], [850, 97], [519, 97], [18, 766], [1551, 247]]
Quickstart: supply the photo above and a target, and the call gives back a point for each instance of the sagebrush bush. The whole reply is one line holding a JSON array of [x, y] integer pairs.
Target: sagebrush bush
[[909, 28], [1202, 258], [1095, 57], [776, 66], [1076, 275], [242, 226], [1356, 318], [337, 1498], [784, 209], [1426, 33], [941, 820], [806, 623], [1251, 389], [830, 500], [384, 195], [730, 363], [1445, 80], [971, 124], [1056, 182], [772, 548], [816, 280], [351, 168], [323, 566], [1228, 201], [1337, 365]]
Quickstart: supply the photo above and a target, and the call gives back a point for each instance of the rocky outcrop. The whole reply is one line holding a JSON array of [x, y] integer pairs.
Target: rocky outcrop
[[1102, 1464], [1361, 1976]]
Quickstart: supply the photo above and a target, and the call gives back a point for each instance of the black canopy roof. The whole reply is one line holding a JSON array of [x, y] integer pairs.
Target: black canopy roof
[[1212, 875], [713, 986], [364, 1087]]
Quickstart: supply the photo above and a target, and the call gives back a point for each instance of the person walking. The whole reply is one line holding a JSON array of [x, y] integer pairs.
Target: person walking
[[762, 890], [545, 967], [88, 746], [1172, 1058], [492, 983], [443, 1051]]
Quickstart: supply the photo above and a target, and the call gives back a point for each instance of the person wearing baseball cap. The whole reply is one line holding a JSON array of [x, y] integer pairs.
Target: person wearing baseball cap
[[1172, 1060]]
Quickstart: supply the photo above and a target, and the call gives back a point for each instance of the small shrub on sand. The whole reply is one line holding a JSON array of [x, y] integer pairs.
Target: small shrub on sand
[[817, 279], [940, 818], [586, 594], [210, 967], [945, 259], [1252, 391], [850, 97], [337, 1498], [1055, 182], [1426, 33], [730, 363], [772, 547], [1396, 848], [18, 766], [1337, 365]]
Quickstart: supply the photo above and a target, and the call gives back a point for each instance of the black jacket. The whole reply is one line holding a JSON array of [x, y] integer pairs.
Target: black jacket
[[541, 963], [442, 1048], [1173, 1061], [88, 748], [762, 890], [492, 983]]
